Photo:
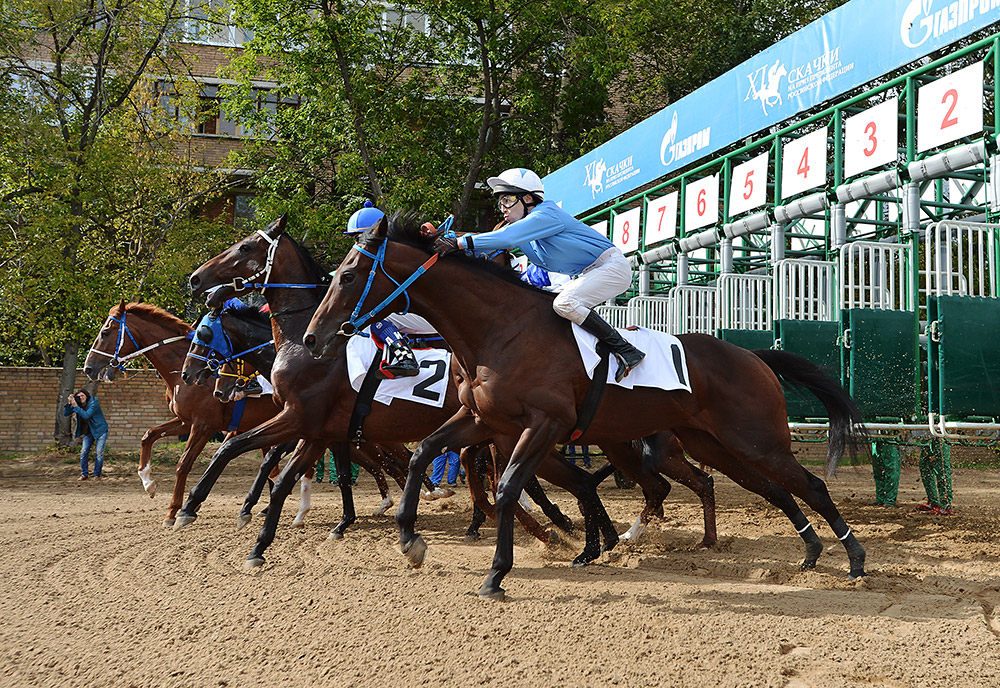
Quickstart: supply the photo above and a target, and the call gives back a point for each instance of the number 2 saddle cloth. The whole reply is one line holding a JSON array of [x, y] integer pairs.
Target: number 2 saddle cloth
[[428, 387]]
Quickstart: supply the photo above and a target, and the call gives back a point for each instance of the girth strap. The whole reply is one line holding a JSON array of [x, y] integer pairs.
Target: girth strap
[[365, 399], [588, 409]]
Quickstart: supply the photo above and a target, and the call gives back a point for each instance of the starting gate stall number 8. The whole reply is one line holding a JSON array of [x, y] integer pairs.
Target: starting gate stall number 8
[[803, 164], [871, 138], [749, 187], [701, 203], [626, 230], [950, 108], [661, 219]]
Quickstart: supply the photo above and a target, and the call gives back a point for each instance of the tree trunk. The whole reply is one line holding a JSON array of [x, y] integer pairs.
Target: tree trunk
[[64, 429]]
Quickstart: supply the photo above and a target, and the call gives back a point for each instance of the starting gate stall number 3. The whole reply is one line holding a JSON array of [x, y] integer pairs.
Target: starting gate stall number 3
[[871, 138], [803, 164], [749, 187], [701, 203], [661, 219], [950, 108], [626, 231]]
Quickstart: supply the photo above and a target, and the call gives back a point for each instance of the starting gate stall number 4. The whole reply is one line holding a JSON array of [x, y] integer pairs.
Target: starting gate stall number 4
[[871, 138], [661, 219], [701, 203], [749, 187], [950, 108], [626, 230], [803, 164]]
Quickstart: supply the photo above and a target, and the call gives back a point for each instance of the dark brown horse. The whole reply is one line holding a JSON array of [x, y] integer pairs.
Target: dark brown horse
[[162, 338], [519, 374], [318, 399]]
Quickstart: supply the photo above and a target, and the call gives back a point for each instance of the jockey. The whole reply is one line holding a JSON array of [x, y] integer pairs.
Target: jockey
[[558, 242], [397, 356]]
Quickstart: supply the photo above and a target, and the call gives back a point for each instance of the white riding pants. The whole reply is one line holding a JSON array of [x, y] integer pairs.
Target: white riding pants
[[609, 276]]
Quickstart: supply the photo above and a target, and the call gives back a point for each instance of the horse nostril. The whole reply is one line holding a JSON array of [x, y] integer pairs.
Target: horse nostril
[[309, 341], [218, 394], [195, 281]]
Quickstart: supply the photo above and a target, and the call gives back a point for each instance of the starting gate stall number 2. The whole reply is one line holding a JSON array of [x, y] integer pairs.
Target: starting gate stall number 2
[[626, 231], [950, 108]]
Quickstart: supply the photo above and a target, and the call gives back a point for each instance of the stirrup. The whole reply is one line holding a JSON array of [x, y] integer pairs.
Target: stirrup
[[398, 361], [627, 361], [253, 389]]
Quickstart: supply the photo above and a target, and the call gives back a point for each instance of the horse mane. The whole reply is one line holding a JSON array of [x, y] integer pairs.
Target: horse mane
[[404, 228], [169, 320], [319, 273]]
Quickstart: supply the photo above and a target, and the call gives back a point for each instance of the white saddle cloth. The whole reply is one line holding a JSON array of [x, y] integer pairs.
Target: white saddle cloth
[[656, 370], [428, 387], [265, 385]]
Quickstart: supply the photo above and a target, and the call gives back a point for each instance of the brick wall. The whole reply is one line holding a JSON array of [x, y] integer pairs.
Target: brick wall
[[28, 399]]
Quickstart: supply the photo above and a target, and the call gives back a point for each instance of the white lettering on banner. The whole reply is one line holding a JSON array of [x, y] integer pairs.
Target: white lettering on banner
[[600, 177], [626, 230], [769, 78], [918, 24], [661, 219], [686, 146]]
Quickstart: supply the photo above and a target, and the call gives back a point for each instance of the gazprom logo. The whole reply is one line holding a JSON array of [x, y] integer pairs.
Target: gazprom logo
[[920, 21], [679, 149]]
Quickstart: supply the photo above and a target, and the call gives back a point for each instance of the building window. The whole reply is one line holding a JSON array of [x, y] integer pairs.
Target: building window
[[244, 210], [211, 23]]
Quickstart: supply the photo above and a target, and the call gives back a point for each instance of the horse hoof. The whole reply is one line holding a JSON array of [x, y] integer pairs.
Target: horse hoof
[[855, 575], [335, 535], [168, 523], [415, 551], [581, 561], [183, 521], [495, 594], [151, 489], [242, 521], [253, 563], [472, 537], [706, 544], [808, 565]]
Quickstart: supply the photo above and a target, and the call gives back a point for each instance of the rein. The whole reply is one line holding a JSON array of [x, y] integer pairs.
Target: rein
[[357, 320], [120, 361]]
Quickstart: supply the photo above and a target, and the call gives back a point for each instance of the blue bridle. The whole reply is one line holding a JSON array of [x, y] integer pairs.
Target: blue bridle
[[210, 334], [357, 320]]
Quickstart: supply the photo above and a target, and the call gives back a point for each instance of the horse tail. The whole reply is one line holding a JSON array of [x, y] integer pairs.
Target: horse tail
[[847, 429]]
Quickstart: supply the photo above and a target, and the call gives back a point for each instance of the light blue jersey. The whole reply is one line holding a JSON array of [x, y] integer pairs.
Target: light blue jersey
[[550, 237]]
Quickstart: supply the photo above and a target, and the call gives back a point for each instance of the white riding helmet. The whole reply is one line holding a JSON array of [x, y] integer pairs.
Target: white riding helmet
[[517, 180]]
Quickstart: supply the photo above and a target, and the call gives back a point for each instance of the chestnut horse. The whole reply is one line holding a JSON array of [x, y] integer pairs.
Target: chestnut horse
[[523, 377], [141, 329], [318, 399]]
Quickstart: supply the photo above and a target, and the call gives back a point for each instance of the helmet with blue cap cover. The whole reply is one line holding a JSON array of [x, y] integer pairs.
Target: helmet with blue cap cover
[[364, 219]]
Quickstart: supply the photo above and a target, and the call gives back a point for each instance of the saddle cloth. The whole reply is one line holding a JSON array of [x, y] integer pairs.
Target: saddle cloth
[[427, 388], [658, 369]]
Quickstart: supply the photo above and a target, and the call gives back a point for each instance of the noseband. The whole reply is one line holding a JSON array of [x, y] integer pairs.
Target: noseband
[[118, 361]]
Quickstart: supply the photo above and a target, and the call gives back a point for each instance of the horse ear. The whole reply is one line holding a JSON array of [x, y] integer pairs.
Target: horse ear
[[277, 227], [381, 228]]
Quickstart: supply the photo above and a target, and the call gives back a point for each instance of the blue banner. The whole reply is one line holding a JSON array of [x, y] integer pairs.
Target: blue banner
[[859, 41]]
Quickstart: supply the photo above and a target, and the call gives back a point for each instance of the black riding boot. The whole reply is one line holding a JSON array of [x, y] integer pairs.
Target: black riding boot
[[627, 355], [398, 360]]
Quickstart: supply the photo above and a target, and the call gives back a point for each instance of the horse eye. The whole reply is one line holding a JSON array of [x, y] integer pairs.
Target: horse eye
[[205, 334], [347, 278], [245, 247]]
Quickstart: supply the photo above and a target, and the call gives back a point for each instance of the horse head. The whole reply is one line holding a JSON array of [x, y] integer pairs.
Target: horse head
[[111, 343], [234, 269]]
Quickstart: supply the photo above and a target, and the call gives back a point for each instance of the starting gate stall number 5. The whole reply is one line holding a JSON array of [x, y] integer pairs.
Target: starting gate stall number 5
[[950, 108], [749, 187], [803, 164], [701, 203], [626, 230], [871, 138]]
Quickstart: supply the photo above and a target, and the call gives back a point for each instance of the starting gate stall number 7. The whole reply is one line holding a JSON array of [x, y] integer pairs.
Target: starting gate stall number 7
[[950, 108], [661, 219]]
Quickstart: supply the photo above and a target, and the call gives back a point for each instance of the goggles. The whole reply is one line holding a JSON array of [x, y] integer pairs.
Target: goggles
[[507, 201]]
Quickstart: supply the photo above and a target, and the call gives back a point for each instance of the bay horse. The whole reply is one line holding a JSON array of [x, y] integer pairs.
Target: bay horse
[[523, 377], [318, 399], [141, 329]]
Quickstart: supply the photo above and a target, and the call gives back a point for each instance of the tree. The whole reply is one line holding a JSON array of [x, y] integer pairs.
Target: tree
[[96, 191]]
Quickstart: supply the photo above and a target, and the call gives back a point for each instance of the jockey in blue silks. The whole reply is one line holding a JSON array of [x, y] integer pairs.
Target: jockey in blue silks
[[397, 356], [556, 241]]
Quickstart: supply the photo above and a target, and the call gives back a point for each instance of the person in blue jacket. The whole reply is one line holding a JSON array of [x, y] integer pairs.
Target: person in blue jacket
[[91, 426], [397, 356], [556, 241]]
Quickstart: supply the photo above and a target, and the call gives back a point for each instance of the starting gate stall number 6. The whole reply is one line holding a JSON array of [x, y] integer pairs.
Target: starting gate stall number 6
[[803, 164], [950, 108], [626, 230], [701, 203], [871, 138]]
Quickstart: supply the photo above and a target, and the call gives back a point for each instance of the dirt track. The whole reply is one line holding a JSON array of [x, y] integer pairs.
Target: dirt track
[[97, 593]]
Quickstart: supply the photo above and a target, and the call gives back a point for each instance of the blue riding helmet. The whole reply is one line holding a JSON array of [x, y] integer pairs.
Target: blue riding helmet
[[364, 219]]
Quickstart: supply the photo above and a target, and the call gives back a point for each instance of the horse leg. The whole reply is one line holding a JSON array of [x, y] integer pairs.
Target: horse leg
[[305, 455], [174, 426], [478, 518], [671, 462], [369, 457], [627, 458], [199, 437], [536, 442], [707, 449], [264, 475], [549, 508], [461, 430], [342, 457], [305, 496], [282, 428]]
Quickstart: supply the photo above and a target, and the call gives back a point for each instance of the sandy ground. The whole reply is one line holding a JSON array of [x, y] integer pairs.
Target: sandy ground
[[97, 593]]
